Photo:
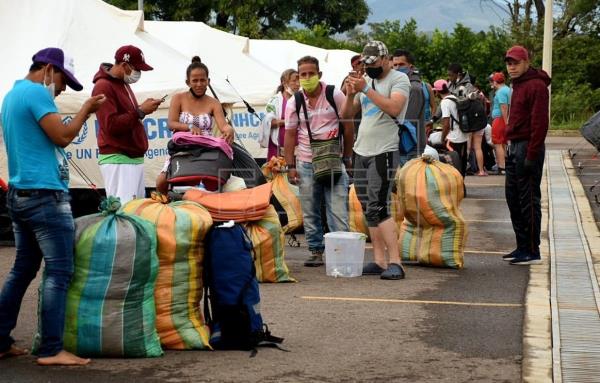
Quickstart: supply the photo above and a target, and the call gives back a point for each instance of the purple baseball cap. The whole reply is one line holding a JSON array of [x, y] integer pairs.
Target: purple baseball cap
[[61, 61]]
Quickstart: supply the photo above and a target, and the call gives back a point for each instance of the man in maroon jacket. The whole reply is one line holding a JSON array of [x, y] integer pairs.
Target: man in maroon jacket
[[122, 139], [526, 132]]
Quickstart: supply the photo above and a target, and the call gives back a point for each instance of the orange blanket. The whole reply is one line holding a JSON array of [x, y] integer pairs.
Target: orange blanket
[[240, 206]]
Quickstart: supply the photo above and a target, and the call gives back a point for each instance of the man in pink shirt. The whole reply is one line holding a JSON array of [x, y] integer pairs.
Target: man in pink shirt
[[324, 124]]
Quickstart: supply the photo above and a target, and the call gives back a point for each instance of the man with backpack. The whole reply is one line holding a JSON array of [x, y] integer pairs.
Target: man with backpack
[[418, 100], [323, 154], [452, 136], [459, 82], [383, 98], [526, 132]]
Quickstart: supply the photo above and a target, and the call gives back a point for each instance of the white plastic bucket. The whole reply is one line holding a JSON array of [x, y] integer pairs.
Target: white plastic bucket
[[344, 254]]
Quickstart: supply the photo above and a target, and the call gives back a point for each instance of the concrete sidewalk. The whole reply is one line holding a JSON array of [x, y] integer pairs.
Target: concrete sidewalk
[[562, 324]]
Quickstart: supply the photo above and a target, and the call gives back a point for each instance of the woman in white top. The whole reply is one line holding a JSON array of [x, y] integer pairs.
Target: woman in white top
[[270, 135]]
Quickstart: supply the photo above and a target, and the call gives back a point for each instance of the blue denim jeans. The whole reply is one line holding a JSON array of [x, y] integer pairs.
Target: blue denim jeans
[[311, 197], [44, 229]]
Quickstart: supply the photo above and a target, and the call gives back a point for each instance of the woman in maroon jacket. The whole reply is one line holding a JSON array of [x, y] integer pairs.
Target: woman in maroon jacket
[[526, 132]]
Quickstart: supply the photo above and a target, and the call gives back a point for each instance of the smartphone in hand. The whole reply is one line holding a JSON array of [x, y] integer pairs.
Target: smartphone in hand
[[163, 98]]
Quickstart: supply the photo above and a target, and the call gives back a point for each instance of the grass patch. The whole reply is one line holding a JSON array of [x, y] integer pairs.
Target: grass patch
[[567, 125]]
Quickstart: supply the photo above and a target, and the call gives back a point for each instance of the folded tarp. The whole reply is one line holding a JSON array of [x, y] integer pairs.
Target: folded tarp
[[239, 206]]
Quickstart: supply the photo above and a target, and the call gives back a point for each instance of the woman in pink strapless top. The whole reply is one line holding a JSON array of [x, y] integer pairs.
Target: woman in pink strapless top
[[193, 110]]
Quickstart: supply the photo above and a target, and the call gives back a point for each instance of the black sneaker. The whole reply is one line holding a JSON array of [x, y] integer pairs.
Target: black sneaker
[[393, 272], [512, 255], [527, 259], [372, 268], [315, 260]]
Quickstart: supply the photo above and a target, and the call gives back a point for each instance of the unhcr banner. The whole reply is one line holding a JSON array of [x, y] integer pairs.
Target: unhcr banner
[[83, 151]]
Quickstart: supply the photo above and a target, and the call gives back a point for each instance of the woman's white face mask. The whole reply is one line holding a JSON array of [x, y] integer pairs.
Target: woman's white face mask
[[51, 86]]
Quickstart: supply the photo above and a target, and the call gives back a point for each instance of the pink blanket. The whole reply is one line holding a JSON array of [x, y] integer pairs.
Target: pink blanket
[[185, 138]]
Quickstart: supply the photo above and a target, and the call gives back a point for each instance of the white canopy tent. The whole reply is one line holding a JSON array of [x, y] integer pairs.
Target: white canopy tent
[[222, 52], [92, 30], [283, 54]]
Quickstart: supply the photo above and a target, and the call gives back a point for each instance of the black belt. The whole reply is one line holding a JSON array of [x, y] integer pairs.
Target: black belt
[[33, 192], [25, 192]]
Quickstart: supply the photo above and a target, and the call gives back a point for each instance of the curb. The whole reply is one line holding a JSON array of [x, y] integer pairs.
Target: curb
[[537, 321], [537, 326], [588, 222], [564, 133]]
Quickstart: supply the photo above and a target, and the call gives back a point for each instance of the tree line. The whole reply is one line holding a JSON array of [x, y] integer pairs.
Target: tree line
[[334, 24]]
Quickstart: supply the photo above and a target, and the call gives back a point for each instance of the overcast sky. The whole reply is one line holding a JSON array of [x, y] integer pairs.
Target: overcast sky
[[441, 14]]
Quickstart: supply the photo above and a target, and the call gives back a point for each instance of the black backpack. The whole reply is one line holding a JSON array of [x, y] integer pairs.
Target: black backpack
[[232, 298], [471, 114]]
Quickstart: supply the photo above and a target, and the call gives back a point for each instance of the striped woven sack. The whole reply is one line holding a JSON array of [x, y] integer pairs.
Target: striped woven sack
[[286, 193], [269, 252], [180, 228], [358, 222], [433, 231], [110, 302]]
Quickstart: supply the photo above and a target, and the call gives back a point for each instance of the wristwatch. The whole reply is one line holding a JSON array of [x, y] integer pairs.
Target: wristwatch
[[346, 159], [141, 114], [190, 127]]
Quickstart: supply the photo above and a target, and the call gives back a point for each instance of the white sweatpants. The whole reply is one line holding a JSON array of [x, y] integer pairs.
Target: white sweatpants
[[124, 181]]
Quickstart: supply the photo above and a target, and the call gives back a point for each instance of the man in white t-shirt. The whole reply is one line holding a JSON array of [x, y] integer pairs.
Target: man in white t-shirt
[[454, 138], [381, 95]]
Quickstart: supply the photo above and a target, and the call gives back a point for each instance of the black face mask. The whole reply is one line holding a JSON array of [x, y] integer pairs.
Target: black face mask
[[195, 95], [374, 72]]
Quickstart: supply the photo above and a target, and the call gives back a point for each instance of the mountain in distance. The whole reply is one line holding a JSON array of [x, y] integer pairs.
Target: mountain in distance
[[441, 14]]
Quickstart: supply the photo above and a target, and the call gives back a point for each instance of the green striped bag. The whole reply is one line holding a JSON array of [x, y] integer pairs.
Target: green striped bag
[[110, 302], [268, 243]]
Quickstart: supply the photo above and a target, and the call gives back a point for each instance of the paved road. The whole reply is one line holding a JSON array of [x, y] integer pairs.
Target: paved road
[[438, 325]]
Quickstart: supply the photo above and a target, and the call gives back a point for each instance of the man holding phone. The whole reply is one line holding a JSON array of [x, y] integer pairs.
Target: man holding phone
[[122, 139]]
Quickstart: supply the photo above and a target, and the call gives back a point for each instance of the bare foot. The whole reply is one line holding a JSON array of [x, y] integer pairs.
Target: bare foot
[[63, 358], [13, 351]]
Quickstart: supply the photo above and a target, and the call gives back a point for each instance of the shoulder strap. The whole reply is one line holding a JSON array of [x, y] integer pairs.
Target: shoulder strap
[[301, 104], [329, 96], [455, 101]]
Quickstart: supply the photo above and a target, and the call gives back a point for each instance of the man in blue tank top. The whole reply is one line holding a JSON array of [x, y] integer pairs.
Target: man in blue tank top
[[38, 200]]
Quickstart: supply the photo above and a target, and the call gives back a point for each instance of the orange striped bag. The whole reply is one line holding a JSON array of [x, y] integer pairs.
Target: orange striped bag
[[432, 231], [269, 248], [286, 193], [358, 222], [181, 227]]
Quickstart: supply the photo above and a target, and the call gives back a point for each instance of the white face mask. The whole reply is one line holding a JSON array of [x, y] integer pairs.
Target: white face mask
[[133, 77], [289, 90], [51, 87]]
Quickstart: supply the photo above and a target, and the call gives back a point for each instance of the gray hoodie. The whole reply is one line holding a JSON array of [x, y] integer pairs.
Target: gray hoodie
[[462, 87]]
